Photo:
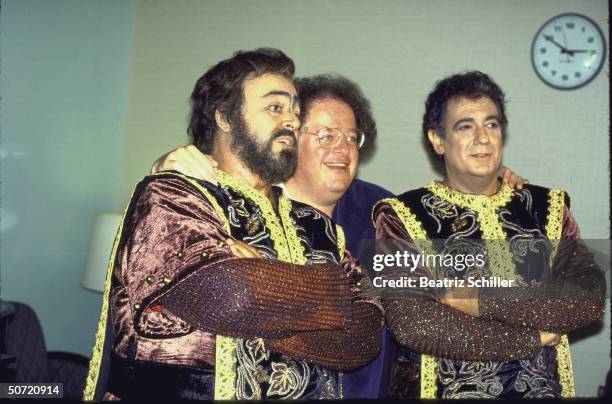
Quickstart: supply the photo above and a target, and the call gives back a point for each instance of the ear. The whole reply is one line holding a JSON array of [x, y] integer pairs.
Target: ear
[[436, 141], [221, 121]]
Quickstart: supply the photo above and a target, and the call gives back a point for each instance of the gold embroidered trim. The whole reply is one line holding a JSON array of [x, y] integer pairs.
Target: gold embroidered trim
[[415, 229], [410, 221], [293, 241], [96, 356], [493, 235], [270, 218], [554, 223], [288, 248], [554, 219], [340, 241], [564, 367], [429, 377], [225, 347], [470, 201]]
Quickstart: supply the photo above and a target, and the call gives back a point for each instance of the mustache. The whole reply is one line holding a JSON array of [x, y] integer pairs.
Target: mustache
[[284, 132]]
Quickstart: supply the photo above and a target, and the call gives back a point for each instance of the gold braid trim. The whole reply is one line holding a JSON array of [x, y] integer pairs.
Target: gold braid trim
[[271, 220], [493, 235], [225, 347], [96, 356], [288, 248], [295, 246], [340, 241], [554, 223], [415, 229]]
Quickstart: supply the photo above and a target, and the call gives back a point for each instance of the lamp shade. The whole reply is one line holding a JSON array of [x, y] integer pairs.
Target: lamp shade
[[100, 248]]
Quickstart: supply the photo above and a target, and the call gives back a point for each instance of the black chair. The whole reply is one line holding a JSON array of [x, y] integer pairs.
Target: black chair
[[25, 356]]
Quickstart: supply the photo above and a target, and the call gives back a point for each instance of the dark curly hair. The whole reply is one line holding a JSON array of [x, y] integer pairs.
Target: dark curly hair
[[221, 89], [338, 87], [471, 85]]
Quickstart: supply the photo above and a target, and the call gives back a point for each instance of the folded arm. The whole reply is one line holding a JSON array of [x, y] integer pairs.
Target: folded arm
[[173, 259], [426, 325], [573, 299]]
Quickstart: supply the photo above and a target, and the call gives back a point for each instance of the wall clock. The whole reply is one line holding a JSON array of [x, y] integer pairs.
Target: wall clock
[[568, 51]]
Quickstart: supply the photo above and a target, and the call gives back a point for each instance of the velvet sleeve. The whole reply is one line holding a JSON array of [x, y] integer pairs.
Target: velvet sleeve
[[573, 299], [425, 325], [350, 347], [173, 260]]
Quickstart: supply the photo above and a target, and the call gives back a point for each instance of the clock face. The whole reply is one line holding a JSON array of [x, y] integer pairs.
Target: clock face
[[568, 51]]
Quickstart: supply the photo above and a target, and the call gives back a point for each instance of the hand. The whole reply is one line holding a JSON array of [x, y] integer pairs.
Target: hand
[[242, 250], [549, 338], [462, 299], [511, 179], [188, 160]]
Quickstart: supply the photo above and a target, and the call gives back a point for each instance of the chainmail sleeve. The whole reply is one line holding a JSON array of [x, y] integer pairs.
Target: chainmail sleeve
[[425, 325], [573, 299], [349, 347], [179, 274]]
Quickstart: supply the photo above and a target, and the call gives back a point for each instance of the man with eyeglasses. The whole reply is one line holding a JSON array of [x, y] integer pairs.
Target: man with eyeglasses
[[338, 129]]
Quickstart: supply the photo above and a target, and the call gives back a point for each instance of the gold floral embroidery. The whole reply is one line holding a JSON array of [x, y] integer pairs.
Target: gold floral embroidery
[[493, 235], [554, 223], [270, 218], [289, 249]]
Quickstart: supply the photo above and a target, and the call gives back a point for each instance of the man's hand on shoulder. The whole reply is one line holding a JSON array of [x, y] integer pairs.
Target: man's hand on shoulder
[[512, 179], [187, 160]]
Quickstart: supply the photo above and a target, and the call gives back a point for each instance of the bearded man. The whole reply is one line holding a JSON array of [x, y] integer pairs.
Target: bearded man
[[232, 290]]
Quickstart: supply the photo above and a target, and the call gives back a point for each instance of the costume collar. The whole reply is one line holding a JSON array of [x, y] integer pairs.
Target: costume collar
[[471, 201]]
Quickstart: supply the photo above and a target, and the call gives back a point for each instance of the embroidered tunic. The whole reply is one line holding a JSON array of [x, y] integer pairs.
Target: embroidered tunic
[[449, 354], [183, 318]]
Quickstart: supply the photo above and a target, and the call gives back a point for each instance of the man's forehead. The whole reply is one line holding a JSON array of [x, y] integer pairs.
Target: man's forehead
[[269, 84], [464, 105]]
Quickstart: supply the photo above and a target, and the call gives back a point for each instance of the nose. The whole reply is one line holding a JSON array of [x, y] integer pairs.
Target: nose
[[291, 121], [342, 146], [482, 135]]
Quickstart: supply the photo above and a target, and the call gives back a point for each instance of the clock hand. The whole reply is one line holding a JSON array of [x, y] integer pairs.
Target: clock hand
[[550, 38], [578, 50], [565, 43]]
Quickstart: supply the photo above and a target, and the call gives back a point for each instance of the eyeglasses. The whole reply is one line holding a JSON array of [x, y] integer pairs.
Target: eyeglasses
[[330, 137]]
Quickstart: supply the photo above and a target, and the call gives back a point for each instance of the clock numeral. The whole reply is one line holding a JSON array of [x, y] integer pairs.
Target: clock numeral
[[577, 75], [570, 25], [583, 29], [593, 53], [545, 64], [558, 28], [542, 50], [564, 77], [590, 40], [553, 72]]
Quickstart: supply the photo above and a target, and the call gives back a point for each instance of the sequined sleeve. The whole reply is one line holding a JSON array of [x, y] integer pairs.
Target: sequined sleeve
[[573, 299], [173, 260], [348, 348], [425, 325]]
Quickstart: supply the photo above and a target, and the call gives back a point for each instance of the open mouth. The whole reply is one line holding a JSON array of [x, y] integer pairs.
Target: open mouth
[[287, 140], [337, 166], [481, 155]]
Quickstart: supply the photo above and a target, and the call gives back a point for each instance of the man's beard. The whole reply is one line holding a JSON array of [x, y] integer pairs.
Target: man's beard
[[271, 167]]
